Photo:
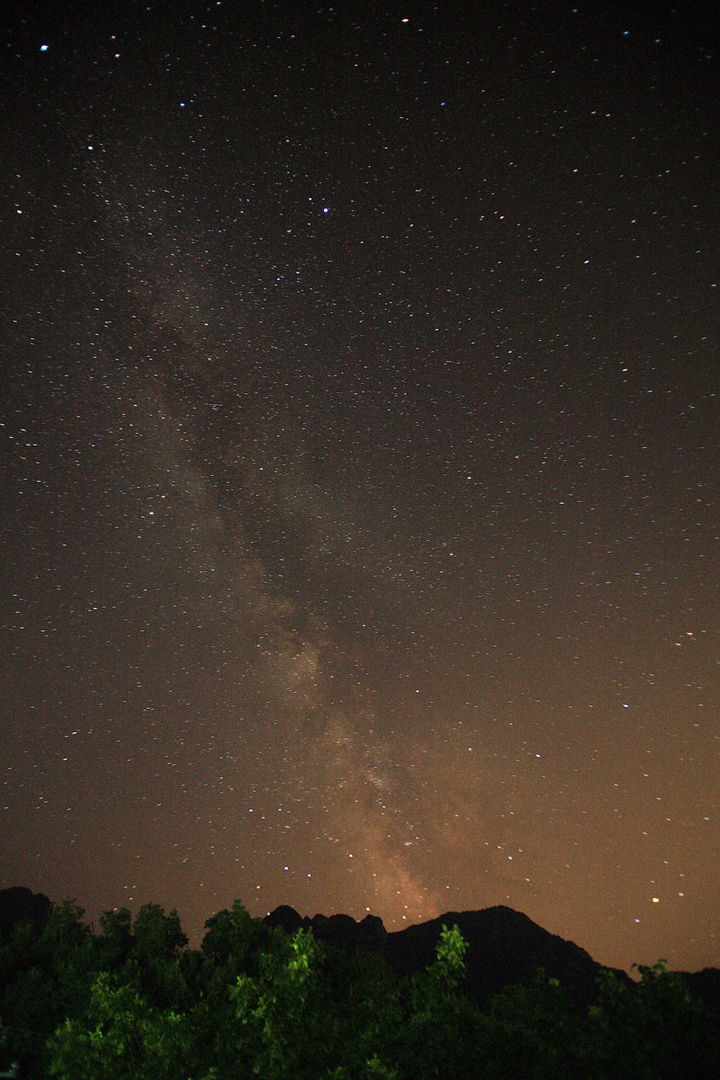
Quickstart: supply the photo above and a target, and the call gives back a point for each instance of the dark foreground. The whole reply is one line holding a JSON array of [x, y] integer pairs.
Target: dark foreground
[[481, 995]]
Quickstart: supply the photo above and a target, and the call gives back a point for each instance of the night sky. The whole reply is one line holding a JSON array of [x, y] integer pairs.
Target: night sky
[[360, 472]]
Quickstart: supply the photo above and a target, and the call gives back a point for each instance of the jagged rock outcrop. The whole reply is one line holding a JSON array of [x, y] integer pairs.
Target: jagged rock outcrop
[[369, 935], [505, 948]]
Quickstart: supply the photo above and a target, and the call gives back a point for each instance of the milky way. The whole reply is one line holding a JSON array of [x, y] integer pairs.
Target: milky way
[[360, 470]]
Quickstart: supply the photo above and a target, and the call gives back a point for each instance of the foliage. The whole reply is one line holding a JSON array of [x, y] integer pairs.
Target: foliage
[[653, 1031], [532, 1031], [273, 1008], [436, 1031], [133, 1001], [43, 980], [120, 1036]]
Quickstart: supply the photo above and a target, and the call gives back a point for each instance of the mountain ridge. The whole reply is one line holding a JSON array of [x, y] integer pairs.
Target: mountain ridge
[[504, 947]]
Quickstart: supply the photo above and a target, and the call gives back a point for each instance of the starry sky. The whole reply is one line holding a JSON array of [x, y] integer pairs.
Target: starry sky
[[360, 475]]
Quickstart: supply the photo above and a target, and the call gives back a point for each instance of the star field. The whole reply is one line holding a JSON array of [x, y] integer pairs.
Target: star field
[[360, 478]]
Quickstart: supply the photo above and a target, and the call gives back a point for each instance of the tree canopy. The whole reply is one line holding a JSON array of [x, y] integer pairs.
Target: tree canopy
[[132, 1001]]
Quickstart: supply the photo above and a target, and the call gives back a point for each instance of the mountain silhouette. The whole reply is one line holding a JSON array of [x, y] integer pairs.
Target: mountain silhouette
[[505, 948]]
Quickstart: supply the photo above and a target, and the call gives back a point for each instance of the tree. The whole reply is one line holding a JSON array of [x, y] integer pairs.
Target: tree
[[155, 960], [533, 1032], [273, 1008], [232, 935], [115, 941], [654, 1030], [231, 947], [439, 1028], [121, 1036], [45, 971]]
